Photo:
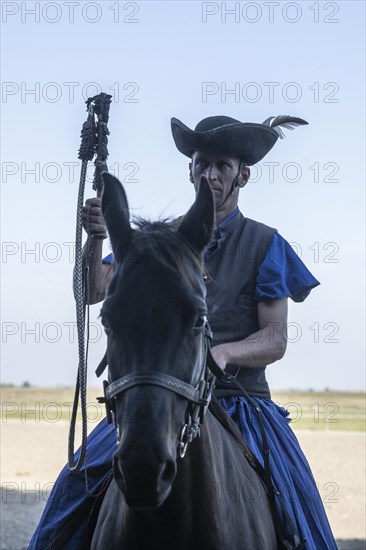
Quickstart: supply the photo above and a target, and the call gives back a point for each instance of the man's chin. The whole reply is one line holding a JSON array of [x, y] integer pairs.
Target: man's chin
[[217, 196]]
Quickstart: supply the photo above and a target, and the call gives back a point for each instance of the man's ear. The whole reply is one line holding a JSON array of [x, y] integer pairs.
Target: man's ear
[[190, 173], [244, 175]]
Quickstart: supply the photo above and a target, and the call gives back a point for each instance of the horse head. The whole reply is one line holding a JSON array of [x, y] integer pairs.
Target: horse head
[[154, 315]]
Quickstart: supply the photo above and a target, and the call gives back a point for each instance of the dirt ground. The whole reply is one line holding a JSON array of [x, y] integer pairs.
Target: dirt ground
[[33, 453]]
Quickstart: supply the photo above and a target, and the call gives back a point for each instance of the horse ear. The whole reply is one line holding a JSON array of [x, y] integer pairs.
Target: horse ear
[[116, 214], [197, 225]]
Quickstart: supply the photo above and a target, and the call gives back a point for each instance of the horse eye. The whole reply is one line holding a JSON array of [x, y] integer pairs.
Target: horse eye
[[200, 322]]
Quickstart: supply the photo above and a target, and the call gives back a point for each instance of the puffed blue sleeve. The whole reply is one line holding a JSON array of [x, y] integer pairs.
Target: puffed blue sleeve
[[282, 274], [108, 259]]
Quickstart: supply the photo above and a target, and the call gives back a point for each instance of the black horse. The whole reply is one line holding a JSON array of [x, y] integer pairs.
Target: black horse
[[155, 318]]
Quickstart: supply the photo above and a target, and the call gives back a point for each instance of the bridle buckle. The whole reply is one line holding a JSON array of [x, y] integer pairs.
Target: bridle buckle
[[109, 407], [182, 443]]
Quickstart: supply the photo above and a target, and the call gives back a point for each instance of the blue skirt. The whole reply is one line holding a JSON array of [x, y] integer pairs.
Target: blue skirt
[[69, 515], [291, 472]]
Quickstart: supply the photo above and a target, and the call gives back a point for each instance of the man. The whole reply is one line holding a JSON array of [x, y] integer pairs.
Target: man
[[251, 273]]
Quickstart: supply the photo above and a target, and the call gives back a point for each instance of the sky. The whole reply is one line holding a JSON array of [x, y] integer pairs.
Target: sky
[[189, 60]]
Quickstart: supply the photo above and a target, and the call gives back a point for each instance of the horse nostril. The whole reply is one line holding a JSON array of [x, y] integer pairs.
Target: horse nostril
[[168, 473]]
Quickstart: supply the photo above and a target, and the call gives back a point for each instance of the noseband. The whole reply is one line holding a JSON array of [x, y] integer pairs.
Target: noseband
[[198, 395]]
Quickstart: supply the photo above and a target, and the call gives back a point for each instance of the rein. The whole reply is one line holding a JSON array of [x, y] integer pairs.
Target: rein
[[264, 472]]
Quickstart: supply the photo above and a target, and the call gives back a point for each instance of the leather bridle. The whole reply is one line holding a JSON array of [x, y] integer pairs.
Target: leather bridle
[[198, 395]]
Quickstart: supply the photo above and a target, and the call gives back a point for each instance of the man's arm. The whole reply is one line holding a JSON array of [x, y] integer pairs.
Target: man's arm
[[100, 274], [265, 346]]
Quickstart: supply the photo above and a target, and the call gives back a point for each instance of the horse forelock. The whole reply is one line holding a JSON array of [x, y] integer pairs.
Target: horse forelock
[[162, 245]]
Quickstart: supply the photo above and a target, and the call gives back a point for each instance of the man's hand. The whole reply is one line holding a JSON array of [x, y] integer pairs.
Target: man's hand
[[100, 274], [265, 346], [93, 221]]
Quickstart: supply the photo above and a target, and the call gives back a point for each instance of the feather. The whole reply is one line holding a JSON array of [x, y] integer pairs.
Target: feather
[[286, 121]]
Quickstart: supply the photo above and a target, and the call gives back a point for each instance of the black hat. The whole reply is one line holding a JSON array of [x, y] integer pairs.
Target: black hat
[[245, 140]]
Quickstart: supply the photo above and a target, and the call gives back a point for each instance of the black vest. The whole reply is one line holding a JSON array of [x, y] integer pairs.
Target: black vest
[[232, 270]]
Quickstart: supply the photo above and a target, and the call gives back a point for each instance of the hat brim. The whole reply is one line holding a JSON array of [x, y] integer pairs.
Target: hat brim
[[245, 140]]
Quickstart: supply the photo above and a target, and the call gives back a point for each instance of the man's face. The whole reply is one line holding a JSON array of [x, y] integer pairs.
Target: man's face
[[220, 171]]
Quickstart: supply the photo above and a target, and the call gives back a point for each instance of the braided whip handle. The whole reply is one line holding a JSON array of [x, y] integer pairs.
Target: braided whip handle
[[101, 108], [93, 142]]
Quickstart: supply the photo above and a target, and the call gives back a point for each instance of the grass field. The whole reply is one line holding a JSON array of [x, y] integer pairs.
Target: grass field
[[324, 410], [308, 410]]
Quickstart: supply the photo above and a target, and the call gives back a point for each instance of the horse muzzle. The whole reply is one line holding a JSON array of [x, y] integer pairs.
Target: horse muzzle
[[145, 484]]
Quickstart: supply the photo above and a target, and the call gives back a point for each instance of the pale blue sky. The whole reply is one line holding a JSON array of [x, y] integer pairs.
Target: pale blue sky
[[167, 61]]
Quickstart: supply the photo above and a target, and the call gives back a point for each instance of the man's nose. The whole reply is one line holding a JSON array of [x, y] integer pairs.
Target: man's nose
[[211, 172]]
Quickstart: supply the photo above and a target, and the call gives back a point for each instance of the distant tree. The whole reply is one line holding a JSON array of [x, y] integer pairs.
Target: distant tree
[[26, 384]]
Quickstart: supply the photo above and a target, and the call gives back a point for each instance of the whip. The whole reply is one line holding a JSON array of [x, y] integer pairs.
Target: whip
[[94, 140]]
